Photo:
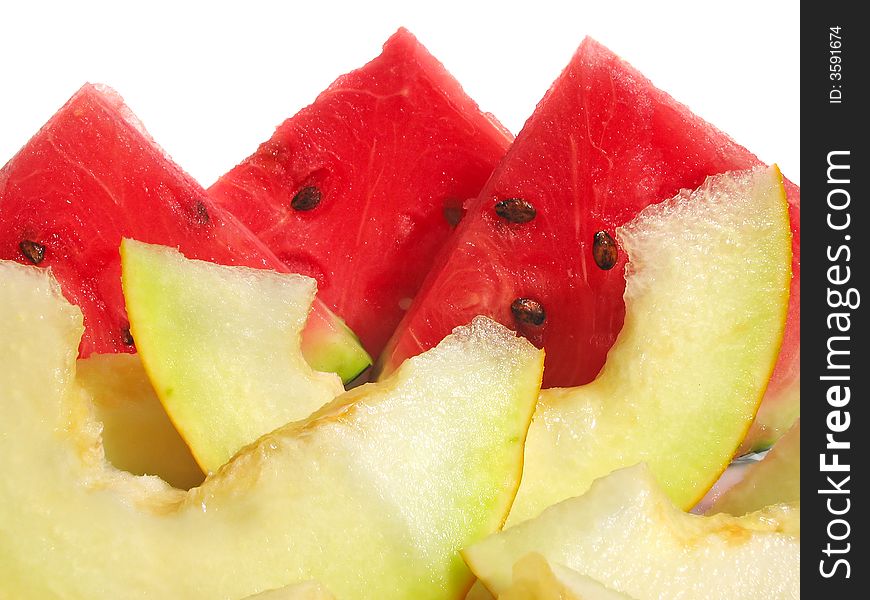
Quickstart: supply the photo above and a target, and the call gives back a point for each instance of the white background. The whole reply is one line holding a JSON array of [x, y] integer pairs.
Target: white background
[[212, 80]]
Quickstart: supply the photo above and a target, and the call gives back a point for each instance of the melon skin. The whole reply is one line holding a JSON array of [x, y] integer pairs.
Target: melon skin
[[93, 175], [392, 149], [602, 144]]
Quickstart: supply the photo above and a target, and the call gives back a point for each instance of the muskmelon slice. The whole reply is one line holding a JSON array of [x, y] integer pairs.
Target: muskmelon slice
[[373, 497], [222, 347], [626, 534], [706, 298]]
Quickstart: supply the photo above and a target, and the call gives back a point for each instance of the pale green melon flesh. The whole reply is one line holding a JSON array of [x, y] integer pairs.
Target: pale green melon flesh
[[774, 479], [221, 346], [706, 298], [478, 591], [626, 534], [308, 590], [137, 434], [374, 497], [536, 579]]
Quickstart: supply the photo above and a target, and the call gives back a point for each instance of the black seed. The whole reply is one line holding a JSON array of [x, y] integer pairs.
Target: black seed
[[33, 251], [515, 210], [307, 198], [528, 311], [200, 213], [127, 337], [453, 211], [604, 250]]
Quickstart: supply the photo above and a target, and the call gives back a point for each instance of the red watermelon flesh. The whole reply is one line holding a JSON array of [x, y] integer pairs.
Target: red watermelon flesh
[[91, 176], [361, 188], [602, 144]]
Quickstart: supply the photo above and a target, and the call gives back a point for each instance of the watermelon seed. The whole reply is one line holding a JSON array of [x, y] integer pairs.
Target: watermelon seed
[[604, 250], [515, 210], [307, 198], [528, 311], [33, 251], [126, 336], [200, 213]]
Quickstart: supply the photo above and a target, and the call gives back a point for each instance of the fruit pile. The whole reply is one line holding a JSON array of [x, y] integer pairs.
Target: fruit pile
[[575, 331]]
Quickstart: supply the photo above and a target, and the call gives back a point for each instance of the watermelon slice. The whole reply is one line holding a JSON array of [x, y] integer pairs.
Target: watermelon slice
[[360, 189], [91, 176], [536, 249]]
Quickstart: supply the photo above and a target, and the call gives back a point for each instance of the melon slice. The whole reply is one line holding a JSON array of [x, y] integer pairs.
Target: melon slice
[[309, 590], [478, 591], [373, 497], [137, 434], [221, 346], [706, 298], [91, 176], [361, 188], [536, 250], [536, 579], [625, 533], [774, 479]]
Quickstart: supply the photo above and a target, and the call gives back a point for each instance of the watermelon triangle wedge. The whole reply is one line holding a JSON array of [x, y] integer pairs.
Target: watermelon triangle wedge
[[362, 188], [91, 176], [536, 248]]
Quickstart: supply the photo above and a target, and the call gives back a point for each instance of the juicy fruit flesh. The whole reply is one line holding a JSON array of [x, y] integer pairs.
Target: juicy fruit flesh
[[706, 298], [222, 347], [137, 434], [308, 590], [776, 478], [535, 579], [353, 189], [626, 534], [91, 176], [603, 144], [365, 498]]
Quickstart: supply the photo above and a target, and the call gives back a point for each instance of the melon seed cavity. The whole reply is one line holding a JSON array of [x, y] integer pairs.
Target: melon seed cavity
[[528, 311], [515, 210], [32, 251], [604, 250], [307, 198]]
